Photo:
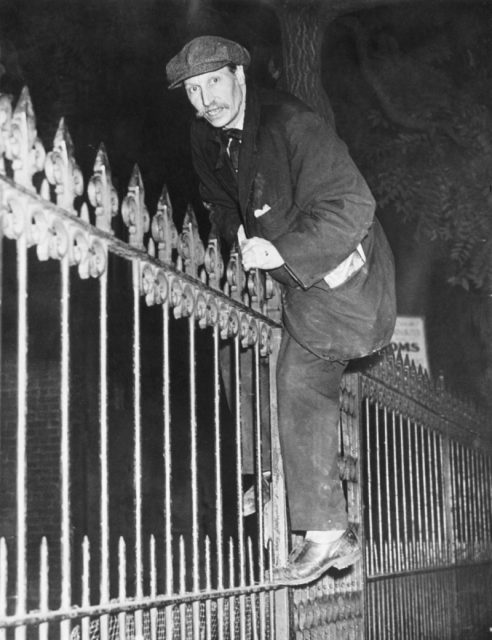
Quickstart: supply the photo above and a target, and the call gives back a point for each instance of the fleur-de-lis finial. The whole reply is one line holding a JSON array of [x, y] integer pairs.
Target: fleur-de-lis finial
[[5, 124], [190, 247], [164, 230], [62, 170], [26, 150], [273, 296], [214, 263], [102, 195], [134, 212], [235, 276], [256, 289]]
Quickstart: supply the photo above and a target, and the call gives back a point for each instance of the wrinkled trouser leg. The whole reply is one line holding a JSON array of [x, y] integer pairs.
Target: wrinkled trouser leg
[[308, 390], [226, 357]]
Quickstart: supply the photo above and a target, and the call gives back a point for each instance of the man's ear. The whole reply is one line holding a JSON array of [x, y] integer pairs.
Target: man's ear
[[240, 75]]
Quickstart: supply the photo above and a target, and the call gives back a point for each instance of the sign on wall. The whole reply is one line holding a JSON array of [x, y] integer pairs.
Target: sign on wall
[[409, 337]]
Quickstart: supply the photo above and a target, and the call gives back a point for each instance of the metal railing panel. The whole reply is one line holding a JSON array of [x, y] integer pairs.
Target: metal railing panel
[[421, 552], [165, 584]]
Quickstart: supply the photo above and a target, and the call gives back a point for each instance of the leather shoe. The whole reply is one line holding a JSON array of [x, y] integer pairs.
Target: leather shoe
[[315, 558]]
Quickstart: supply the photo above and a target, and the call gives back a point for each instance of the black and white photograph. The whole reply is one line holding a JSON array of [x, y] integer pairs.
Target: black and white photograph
[[246, 319]]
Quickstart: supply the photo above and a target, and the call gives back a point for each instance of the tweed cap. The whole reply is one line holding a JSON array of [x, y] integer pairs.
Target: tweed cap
[[204, 54]]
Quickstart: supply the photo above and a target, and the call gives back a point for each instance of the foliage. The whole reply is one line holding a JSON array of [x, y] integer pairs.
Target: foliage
[[427, 150]]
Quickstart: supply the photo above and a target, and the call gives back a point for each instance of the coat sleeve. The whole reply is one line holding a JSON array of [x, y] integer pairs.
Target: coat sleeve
[[223, 209], [333, 207]]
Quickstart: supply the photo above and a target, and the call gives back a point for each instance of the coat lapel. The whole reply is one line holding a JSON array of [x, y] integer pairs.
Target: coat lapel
[[248, 154]]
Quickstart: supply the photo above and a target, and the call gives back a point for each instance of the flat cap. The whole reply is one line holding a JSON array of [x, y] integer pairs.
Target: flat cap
[[204, 54]]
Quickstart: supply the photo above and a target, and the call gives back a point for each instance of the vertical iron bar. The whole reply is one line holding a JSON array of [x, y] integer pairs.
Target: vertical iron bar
[[153, 589], [370, 617], [167, 463], [378, 489], [86, 587], [239, 461], [447, 460], [259, 484], [469, 502], [489, 494], [418, 489], [103, 449], [474, 497], [43, 587], [21, 479], [481, 498], [182, 587], [232, 600], [382, 600], [137, 452], [271, 594], [121, 587], [425, 500], [478, 502], [219, 515], [433, 496], [1, 325], [258, 460], [4, 572], [208, 587], [368, 480], [487, 503], [193, 455], [254, 616], [487, 511], [389, 537], [399, 631], [464, 499], [195, 532], [279, 618], [470, 511], [413, 525], [404, 556], [239, 479], [439, 491], [397, 492], [457, 534], [66, 589]]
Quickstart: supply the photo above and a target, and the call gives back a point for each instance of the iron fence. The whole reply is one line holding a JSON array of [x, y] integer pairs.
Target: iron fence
[[128, 470]]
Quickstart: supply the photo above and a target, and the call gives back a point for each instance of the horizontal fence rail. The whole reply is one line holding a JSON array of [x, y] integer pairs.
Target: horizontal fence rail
[[142, 482]]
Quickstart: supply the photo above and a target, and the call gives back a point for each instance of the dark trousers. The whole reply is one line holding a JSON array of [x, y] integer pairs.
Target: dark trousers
[[308, 390]]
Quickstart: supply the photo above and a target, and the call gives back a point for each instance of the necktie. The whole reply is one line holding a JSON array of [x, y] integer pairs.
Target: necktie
[[232, 139]]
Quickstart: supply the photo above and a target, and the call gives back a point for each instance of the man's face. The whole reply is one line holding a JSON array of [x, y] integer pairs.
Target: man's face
[[218, 96]]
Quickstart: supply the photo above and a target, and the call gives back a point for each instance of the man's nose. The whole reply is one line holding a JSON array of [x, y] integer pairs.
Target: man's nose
[[207, 97]]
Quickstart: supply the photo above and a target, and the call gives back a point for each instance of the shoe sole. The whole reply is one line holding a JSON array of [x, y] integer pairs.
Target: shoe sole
[[338, 563]]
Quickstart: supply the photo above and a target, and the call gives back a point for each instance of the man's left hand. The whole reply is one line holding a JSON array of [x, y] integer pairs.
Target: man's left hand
[[258, 253]]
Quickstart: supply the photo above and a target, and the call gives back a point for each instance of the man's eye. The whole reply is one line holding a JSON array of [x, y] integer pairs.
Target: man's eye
[[214, 80], [192, 89]]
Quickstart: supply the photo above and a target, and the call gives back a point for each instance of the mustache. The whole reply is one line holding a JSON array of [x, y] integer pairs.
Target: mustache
[[201, 113]]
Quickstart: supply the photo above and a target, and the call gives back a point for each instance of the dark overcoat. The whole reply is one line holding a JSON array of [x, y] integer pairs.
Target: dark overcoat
[[298, 188]]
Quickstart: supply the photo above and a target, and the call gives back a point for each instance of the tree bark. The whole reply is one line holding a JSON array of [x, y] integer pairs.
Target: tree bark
[[303, 27]]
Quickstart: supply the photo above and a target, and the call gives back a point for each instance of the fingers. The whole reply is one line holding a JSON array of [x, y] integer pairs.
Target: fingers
[[258, 253]]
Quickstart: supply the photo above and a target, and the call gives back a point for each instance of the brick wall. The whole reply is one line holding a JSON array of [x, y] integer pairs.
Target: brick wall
[[43, 466]]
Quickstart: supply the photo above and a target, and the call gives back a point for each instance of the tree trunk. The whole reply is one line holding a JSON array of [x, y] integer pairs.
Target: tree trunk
[[303, 28]]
